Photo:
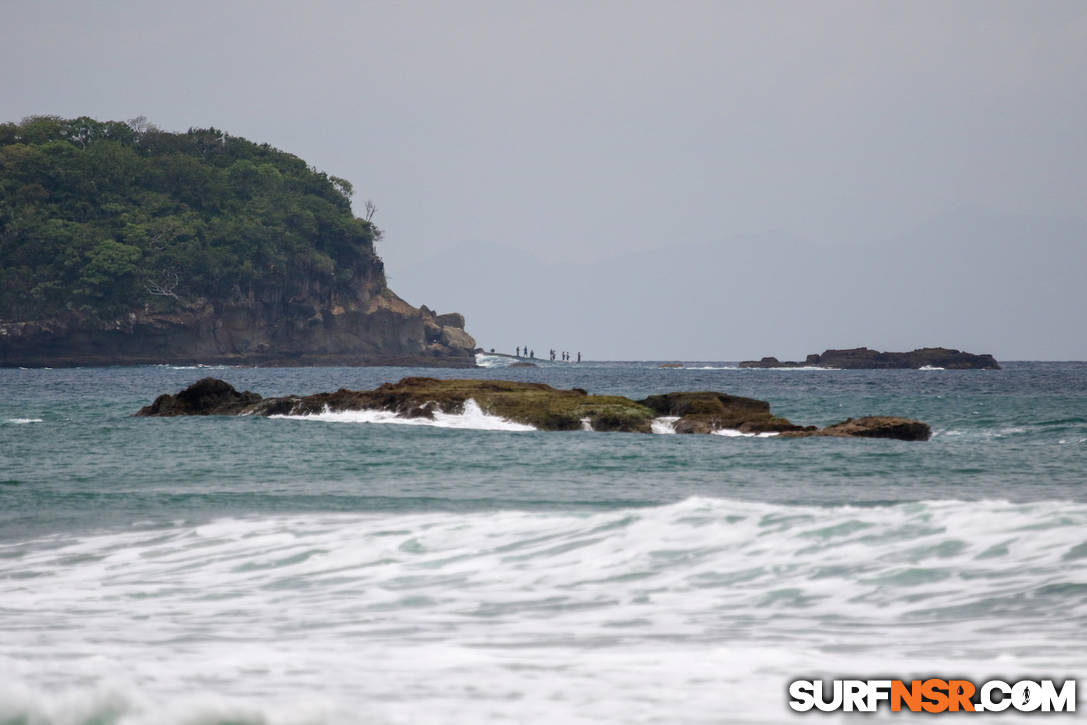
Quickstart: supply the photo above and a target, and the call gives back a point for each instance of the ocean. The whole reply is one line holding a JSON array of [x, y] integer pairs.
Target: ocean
[[351, 569]]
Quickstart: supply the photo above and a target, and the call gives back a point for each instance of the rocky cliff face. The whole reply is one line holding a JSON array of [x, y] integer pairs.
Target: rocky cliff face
[[292, 321]]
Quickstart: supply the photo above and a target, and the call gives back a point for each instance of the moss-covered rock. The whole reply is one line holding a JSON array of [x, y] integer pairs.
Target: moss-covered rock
[[705, 412], [872, 426], [536, 404]]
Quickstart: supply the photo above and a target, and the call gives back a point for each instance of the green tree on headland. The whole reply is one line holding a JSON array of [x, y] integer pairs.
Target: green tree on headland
[[100, 217]]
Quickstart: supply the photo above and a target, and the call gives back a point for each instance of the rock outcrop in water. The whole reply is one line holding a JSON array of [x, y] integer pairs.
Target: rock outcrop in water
[[209, 396], [535, 404], [706, 412], [873, 426], [861, 358]]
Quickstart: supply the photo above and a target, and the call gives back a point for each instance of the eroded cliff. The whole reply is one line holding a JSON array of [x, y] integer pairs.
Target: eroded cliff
[[299, 321]]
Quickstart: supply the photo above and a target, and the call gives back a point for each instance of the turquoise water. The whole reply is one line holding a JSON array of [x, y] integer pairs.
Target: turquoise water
[[214, 570]]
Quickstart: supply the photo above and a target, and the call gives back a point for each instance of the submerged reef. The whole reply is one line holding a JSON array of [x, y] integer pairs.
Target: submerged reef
[[536, 404]]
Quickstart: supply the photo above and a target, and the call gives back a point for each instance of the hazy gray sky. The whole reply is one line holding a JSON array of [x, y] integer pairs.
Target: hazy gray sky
[[695, 180]]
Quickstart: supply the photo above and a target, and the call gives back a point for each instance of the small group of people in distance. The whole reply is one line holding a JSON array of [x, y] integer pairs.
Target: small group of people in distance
[[531, 354]]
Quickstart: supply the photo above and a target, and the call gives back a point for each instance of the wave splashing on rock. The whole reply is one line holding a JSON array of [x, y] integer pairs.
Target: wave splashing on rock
[[502, 404]]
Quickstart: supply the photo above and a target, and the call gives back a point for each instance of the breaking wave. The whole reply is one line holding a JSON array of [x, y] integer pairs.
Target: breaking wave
[[732, 433], [198, 366], [709, 367], [664, 425], [484, 360], [518, 616], [473, 418]]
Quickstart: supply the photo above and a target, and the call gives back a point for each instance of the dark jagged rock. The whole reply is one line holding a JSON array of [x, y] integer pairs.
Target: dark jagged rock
[[535, 404], [209, 396], [861, 358], [703, 412], [903, 429]]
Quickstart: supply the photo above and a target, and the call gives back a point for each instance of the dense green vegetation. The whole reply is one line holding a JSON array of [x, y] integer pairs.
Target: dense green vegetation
[[97, 218]]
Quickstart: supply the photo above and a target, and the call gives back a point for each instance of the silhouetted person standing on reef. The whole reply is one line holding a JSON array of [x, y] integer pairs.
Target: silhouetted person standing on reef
[[517, 352], [579, 357], [532, 354]]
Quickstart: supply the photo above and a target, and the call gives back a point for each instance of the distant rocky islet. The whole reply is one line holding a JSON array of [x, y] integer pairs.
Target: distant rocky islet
[[862, 358]]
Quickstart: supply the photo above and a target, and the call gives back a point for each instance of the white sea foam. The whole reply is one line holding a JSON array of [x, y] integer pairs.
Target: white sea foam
[[930, 367], [473, 418], [982, 432], [698, 611], [800, 368], [733, 433], [665, 424], [198, 366], [484, 360], [709, 367], [24, 421]]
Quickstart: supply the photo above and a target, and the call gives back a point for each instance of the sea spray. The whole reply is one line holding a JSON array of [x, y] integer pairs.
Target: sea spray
[[516, 614], [471, 418]]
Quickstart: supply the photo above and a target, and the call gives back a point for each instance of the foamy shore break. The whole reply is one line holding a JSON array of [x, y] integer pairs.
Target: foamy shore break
[[532, 404]]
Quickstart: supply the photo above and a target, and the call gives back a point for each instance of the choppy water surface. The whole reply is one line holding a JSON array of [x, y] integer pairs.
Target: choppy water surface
[[344, 569]]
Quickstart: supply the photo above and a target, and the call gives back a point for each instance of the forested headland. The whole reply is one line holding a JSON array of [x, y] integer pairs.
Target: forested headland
[[103, 216], [121, 242]]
